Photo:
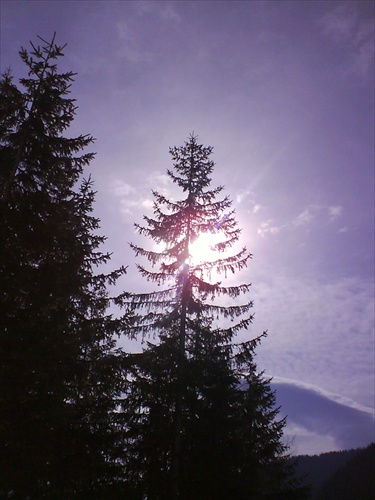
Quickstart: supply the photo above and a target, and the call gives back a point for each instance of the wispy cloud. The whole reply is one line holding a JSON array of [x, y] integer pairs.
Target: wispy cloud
[[321, 332], [303, 219], [247, 196], [165, 11], [268, 227], [127, 196], [161, 183], [322, 421], [312, 211], [129, 47], [242, 194], [121, 188], [331, 396], [335, 211], [135, 201]]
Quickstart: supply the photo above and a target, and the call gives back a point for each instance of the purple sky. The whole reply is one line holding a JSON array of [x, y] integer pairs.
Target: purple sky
[[284, 91]]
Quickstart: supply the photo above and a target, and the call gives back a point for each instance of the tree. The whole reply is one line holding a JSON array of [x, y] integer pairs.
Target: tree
[[201, 422], [354, 479], [59, 367]]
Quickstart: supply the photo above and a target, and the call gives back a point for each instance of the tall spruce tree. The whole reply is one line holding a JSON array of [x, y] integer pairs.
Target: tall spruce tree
[[59, 367], [201, 421]]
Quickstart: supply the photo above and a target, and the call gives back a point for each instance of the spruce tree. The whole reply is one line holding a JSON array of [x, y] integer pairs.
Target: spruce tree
[[59, 367], [201, 421]]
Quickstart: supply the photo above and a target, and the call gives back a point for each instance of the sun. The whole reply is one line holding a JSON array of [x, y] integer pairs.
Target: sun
[[201, 249]]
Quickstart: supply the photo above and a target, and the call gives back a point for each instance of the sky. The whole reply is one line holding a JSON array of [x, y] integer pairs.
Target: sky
[[284, 92]]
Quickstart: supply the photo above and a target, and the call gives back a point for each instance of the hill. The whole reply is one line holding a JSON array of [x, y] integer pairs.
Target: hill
[[340, 475]]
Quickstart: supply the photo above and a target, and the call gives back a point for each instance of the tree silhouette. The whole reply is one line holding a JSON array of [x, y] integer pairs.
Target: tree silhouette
[[58, 362], [201, 422]]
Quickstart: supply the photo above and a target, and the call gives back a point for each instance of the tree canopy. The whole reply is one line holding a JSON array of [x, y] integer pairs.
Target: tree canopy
[[58, 359], [190, 416], [202, 420]]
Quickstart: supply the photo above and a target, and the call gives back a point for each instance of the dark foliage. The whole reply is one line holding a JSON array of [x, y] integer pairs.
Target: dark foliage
[[338, 473], [201, 421], [316, 469], [189, 417], [58, 362], [354, 480]]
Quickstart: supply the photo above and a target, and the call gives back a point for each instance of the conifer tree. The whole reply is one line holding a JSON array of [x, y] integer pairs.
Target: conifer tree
[[59, 367], [201, 421]]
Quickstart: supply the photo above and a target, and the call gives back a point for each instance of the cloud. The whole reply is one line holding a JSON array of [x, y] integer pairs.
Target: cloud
[[246, 195], [133, 200], [121, 188], [323, 393], [242, 194], [164, 11], [268, 227], [335, 211], [147, 203], [302, 441], [127, 206], [129, 47], [312, 211], [130, 206], [320, 421], [320, 330], [305, 218], [129, 198], [159, 181], [344, 25]]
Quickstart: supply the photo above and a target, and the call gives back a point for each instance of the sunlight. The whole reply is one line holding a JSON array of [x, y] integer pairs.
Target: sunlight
[[201, 250]]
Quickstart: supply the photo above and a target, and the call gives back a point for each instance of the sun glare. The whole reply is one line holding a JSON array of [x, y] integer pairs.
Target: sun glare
[[201, 250]]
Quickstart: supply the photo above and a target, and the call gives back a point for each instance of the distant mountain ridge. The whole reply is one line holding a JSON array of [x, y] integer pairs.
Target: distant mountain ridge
[[339, 475]]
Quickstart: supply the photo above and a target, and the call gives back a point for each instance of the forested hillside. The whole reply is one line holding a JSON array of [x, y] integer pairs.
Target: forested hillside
[[340, 475]]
